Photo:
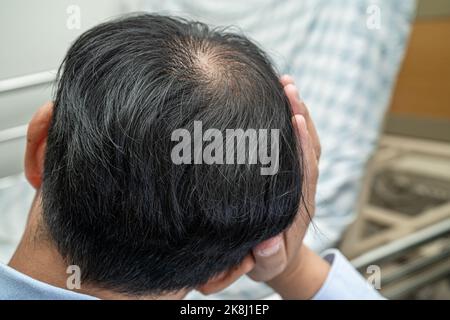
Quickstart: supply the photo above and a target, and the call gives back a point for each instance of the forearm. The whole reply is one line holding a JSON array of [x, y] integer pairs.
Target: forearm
[[329, 278]]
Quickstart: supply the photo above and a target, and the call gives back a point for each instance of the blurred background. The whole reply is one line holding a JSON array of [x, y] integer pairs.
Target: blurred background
[[376, 77]]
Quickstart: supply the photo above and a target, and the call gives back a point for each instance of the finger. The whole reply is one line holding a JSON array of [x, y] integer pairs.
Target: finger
[[309, 161], [270, 259], [294, 235], [309, 157], [299, 107], [293, 95]]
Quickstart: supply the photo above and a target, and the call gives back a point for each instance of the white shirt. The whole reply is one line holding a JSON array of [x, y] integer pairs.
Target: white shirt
[[343, 282]]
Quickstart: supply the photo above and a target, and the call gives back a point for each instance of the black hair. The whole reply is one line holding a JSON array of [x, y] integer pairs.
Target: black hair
[[113, 201]]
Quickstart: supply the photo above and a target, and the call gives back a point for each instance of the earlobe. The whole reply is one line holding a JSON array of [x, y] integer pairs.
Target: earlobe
[[36, 144], [226, 278]]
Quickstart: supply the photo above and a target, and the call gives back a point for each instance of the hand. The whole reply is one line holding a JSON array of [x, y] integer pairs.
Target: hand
[[282, 261]]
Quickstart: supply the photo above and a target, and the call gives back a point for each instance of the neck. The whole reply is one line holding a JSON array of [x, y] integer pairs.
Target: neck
[[37, 257]]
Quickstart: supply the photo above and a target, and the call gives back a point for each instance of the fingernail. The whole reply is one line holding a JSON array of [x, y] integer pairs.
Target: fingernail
[[266, 252], [301, 123], [301, 120], [288, 76]]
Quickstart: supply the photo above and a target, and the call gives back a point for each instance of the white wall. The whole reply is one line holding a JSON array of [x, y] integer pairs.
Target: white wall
[[34, 38]]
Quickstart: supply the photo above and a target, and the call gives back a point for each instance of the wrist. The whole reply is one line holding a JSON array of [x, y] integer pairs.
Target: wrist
[[303, 277]]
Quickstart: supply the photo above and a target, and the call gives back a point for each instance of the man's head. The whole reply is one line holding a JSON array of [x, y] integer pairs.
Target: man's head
[[114, 202]]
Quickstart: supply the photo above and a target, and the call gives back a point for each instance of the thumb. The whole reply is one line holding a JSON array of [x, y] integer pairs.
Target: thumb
[[270, 259]]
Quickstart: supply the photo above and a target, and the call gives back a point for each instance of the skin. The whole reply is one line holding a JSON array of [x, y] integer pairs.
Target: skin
[[283, 262]]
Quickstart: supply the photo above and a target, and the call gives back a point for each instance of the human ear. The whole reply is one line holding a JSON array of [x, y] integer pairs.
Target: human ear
[[226, 278], [36, 144]]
